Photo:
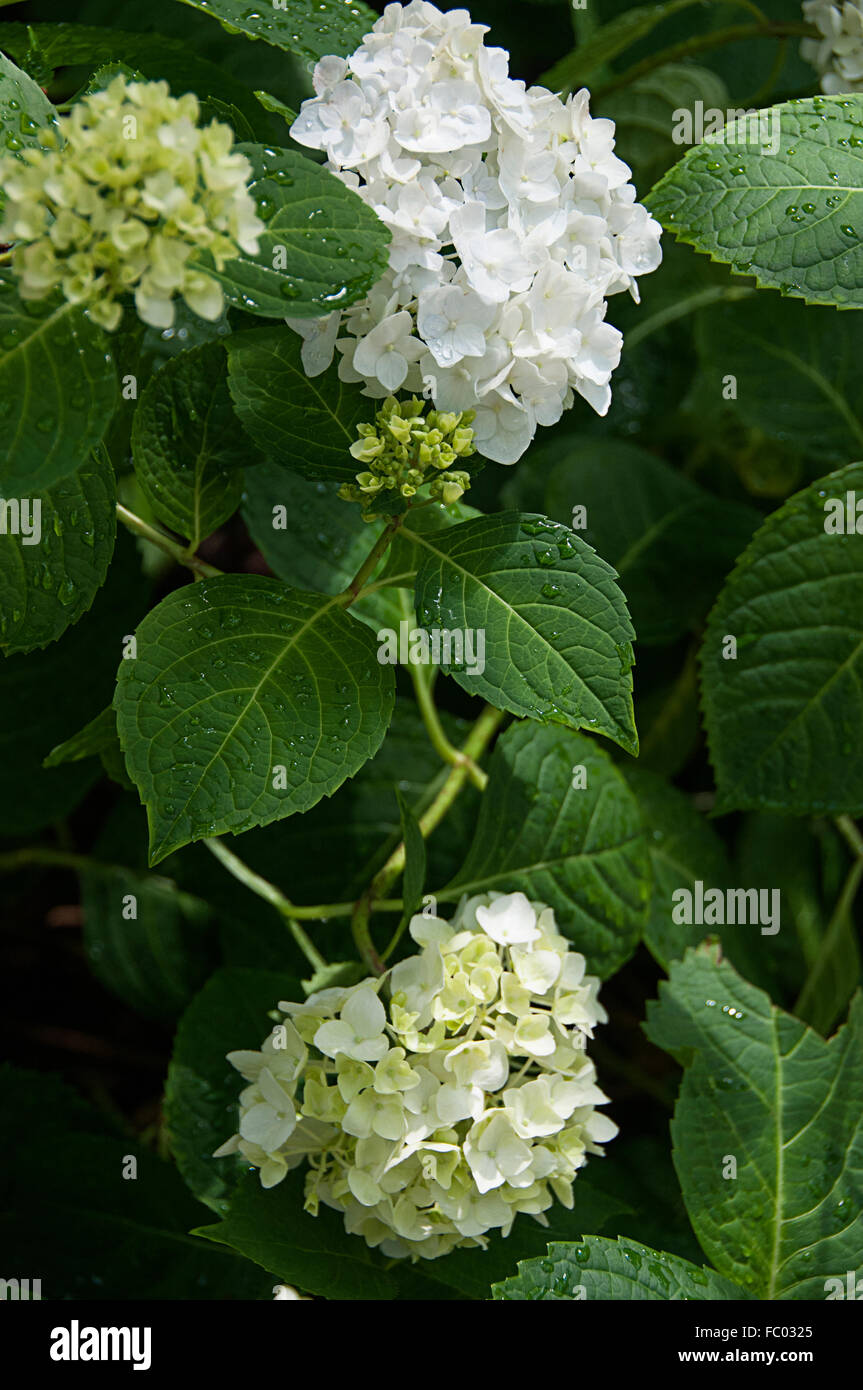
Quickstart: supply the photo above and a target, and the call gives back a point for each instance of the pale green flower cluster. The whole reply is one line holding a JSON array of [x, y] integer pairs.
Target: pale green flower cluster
[[439, 1118], [403, 446], [123, 195]]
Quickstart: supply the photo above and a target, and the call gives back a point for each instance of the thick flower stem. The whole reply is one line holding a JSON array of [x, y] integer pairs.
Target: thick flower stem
[[475, 743], [367, 568], [178, 552], [435, 729]]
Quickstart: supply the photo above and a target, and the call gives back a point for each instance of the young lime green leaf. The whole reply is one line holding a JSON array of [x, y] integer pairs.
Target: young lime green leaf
[[558, 822], [785, 643], [607, 42], [778, 196], [556, 631], [764, 1090], [245, 703]]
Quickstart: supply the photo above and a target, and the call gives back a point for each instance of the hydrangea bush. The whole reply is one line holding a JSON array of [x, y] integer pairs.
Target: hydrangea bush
[[430, 628]]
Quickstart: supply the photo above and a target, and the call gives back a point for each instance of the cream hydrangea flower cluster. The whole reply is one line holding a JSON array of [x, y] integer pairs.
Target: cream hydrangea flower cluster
[[121, 196], [438, 1119], [838, 55], [512, 222]]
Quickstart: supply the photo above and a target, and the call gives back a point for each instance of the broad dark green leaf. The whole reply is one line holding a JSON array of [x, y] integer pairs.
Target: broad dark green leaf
[[796, 371], [777, 196], [202, 1089], [649, 113], [598, 1268], [57, 389], [766, 1090], [653, 525], [54, 555], [683, 848], [313, 540], [97, 739], [188, 447], [148, 942], [85, 1225], [641, 1175], [783, 716], [558, 640], [310, 31], [558, 822], [247, 701], [307, 424], [156, 56], [323, 247]]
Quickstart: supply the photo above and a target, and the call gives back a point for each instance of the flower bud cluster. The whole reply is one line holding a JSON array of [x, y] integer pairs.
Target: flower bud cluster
[[123, 194], [467, 1100], [838, 54], [512, 222], [404, 447]]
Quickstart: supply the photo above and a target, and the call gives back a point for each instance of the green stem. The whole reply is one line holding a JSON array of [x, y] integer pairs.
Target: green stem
[[472, 748], [435, 729], [701, 43], [49, 859], [369, 565], [156, 536], [847, 827], [271, 894]]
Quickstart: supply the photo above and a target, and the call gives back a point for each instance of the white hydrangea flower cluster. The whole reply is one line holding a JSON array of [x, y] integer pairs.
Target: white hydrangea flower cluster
[[838, 56], [512, 222], [121, 196], [469, 1100]]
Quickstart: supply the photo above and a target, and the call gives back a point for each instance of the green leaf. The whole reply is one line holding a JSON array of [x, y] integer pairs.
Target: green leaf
[[147, 942], [763, 1088], [598, 1268], [642, 1176], [156, 56], [309, 31], [307, 424], [54, 555], [653, 525], [247, 702], [90, 741], [323, 247], [798, 371], [607, 42], [276, 106], [558, 640], [201, 1091], [791, 216], [24, 109], [794, 603], [313, 540], [558, 822], [188, 447], [683, 848], [57, 389], [40, 705], [98, 1231]]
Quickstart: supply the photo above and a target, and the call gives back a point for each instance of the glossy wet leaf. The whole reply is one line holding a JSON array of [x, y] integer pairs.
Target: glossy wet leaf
[[323, 248], [762, 1087], [598, 1268], [57, 389], [782, 716], [779, 198], [328, 26], [557, 635], [54, 555], [558, 822], [188, 446]]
